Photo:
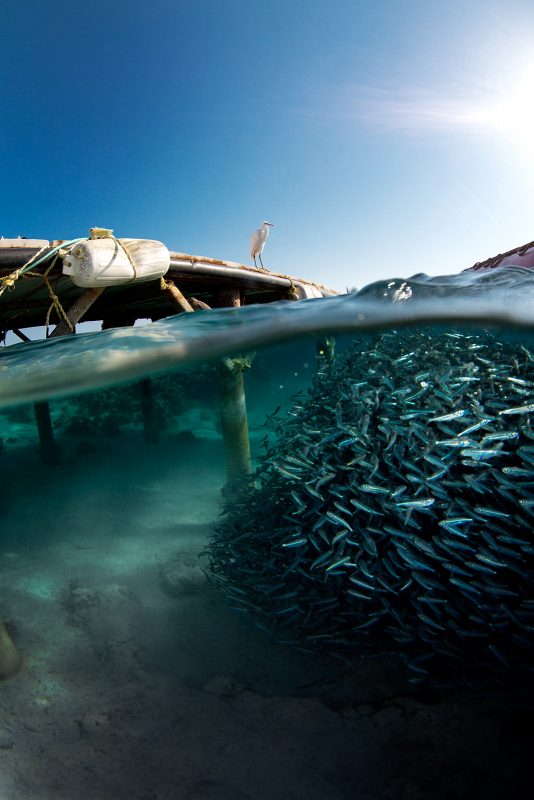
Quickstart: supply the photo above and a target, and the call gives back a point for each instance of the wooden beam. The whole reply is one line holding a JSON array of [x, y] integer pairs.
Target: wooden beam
[[176, 296], [22, 336], [76, 311], [118, 321], [199, 305]]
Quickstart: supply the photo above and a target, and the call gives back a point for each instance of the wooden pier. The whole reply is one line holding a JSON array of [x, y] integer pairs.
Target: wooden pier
[[202, 281], [45, 296]]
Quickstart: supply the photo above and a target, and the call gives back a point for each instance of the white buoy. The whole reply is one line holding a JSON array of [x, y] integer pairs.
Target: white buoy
[[104, 260]]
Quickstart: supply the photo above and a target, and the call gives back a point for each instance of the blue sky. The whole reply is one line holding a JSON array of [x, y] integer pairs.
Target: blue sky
[[382, 138]]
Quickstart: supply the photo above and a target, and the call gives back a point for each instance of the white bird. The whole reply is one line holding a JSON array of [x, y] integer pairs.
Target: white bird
[[257, 241]]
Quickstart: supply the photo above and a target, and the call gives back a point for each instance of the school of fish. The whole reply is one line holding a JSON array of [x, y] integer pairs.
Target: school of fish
[[394, 511]]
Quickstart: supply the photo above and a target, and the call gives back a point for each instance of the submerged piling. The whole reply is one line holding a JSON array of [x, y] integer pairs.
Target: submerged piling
[[148, 411], [232, 401], [10, 658], [234, 421], [233, 406], [48, 449]]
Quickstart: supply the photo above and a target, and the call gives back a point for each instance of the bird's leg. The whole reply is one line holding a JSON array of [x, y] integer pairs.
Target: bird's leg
[[254, 257], [261, 262]]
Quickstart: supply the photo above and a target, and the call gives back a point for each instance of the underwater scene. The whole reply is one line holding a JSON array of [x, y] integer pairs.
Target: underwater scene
[[283, 551]]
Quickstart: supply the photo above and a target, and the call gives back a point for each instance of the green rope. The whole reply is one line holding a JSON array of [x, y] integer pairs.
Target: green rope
[[9, 280]]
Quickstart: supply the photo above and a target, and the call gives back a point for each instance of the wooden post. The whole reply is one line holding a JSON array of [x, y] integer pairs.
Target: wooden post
[[176, 296], [122, 321], [230, 297], [234, 421], [10, 658], [146, 394], [233, 408], [199, 305], [21, 335], [48, 448], [150, 429], [76, 311]]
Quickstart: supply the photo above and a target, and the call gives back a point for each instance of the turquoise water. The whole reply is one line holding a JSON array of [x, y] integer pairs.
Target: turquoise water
[[365, 592]]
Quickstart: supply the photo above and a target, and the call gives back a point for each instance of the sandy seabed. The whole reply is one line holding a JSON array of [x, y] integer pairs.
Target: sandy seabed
[[141, 683]]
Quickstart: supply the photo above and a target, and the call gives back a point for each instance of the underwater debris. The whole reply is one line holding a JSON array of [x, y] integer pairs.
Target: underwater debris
[[386, 519]]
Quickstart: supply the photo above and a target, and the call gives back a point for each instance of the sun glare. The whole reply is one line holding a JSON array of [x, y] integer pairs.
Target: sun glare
[[502, 107], [513, 113]]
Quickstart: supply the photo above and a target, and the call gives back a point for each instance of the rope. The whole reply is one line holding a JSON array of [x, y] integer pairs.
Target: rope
[[56, 303], [129, 259], [60, 311], [292, 291], [8, 281], [105, 233]]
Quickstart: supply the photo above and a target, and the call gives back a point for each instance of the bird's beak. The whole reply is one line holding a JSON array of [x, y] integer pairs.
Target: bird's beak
[[270, 224]]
